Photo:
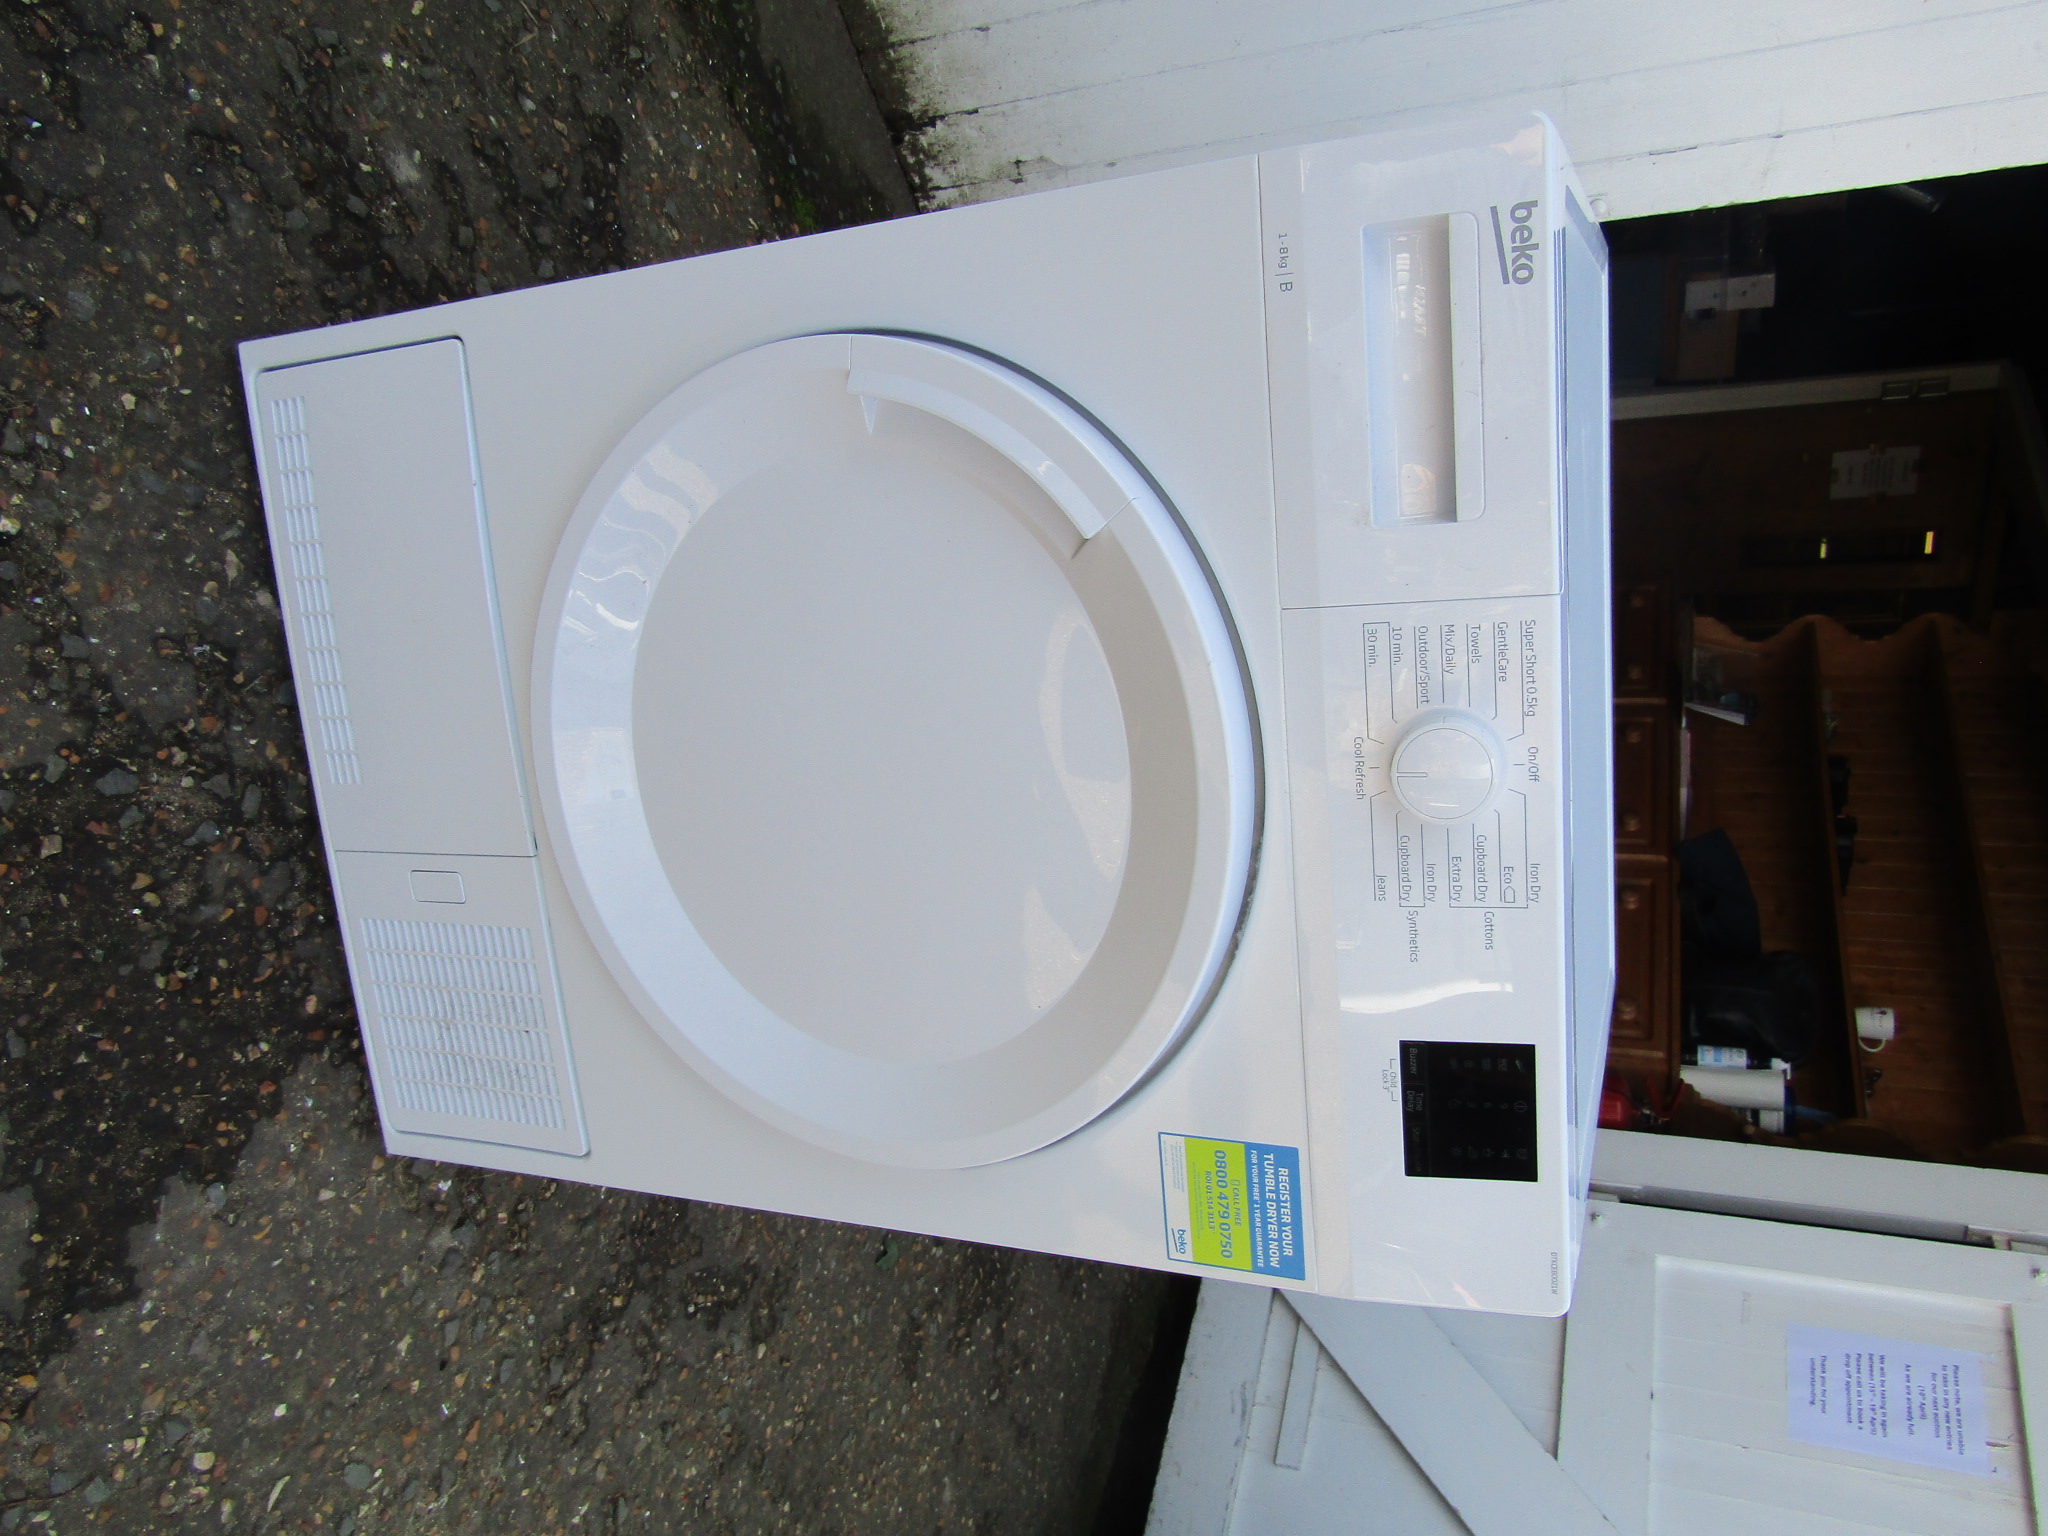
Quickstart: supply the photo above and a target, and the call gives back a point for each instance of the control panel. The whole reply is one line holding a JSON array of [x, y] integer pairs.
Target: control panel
[[1435, 760], [1436, 357], [1445, 753], [1428, 778]]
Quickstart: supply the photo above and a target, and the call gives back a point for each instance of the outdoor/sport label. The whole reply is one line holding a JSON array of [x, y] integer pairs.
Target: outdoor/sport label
[[1233, 1205]]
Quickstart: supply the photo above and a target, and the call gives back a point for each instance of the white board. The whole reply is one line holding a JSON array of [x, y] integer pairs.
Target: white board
[[1672, 1402], [1677, 1412], [1664, 107]]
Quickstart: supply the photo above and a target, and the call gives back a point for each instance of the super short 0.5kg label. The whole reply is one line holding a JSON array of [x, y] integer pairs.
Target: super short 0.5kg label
[[1233, 1205]]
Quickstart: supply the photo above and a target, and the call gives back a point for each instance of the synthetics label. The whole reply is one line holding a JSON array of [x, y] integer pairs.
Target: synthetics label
[[1233, 1205]]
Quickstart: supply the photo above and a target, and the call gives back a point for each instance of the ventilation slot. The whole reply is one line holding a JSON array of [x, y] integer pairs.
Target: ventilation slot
[[325, 700], [463, 1020]]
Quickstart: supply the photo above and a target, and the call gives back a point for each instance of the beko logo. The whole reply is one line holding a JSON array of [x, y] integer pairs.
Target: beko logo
[[1517, 245]]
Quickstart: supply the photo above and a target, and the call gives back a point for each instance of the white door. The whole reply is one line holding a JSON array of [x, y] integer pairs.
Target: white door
[[895, 748], [1716, 1374]]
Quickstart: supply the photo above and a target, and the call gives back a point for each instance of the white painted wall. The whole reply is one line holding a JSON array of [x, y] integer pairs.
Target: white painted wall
[[1664, 105]]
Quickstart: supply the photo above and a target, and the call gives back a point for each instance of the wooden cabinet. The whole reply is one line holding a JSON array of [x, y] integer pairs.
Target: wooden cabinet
[[1643, 1038], [1645, 802], [1942, 732], [1646, 644], [1834, 496], [1870, 498], [1843, 555], [1643, 1033]]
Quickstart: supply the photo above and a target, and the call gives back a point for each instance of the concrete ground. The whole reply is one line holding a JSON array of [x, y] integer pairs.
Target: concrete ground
[[218, 1303]]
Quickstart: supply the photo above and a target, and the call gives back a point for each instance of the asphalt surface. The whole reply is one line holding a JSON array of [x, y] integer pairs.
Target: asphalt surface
[[337, 1341], [218, 1303]]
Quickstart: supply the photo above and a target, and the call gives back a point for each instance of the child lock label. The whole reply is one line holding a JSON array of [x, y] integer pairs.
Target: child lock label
[[1233, 1205]]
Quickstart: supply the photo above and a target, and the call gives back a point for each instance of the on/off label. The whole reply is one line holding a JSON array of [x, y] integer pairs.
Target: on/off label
[[1233, 1205]]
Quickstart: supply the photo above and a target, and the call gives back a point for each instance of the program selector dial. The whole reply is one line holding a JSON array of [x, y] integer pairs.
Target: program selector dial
[[1447, 765]]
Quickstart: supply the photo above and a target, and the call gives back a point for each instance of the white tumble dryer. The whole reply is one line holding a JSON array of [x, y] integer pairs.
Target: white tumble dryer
[[1077, 722]]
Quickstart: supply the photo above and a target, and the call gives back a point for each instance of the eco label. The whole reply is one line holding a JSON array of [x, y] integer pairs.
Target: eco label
[[1233, 1205]]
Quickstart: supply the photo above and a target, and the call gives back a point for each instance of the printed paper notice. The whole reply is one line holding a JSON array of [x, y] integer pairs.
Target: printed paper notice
[[1886, 1397]]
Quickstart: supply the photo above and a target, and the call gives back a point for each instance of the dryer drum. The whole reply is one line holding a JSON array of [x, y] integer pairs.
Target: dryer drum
[[895, 747]]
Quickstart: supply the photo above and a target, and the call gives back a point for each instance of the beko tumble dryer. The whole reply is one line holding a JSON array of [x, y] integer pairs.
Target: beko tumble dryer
[[1077, 722]]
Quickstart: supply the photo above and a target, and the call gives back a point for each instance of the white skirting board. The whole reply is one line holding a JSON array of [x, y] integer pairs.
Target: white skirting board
[[1663, 106]]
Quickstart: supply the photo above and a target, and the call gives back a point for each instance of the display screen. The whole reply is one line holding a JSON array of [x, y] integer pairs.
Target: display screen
[[1422, 358], [1468, 1110]]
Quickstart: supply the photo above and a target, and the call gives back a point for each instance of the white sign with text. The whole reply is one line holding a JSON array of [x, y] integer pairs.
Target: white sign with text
[[1894, 1398]]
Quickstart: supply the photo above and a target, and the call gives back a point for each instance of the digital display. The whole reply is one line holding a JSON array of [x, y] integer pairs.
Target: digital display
[[1468, 1111]]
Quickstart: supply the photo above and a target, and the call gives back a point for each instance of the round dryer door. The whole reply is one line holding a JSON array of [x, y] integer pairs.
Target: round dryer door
[[900, 758]]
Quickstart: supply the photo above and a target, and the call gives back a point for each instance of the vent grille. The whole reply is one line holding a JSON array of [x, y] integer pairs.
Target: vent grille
[[463, 1020], [320, 682]]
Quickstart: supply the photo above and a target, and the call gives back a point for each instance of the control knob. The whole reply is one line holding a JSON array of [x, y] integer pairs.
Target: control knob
[[1448, 765]]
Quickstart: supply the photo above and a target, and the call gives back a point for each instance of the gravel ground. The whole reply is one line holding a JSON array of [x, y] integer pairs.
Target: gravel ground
[[339, 1341], [215, 1299]]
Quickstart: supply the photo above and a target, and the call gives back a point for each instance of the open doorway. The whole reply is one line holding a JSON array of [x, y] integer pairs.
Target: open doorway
[[1831, 569]]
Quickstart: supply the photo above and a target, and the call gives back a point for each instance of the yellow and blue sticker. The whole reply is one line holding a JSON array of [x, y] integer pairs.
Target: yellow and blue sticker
[[1233, 1205]]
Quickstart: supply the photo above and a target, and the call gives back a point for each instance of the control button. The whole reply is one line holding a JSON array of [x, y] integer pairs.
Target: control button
[[1446, 766]]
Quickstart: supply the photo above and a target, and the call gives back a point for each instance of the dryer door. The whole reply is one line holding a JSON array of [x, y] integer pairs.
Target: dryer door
[[895, 748]]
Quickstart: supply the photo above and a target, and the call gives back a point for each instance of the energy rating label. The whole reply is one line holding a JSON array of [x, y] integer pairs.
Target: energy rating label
[[1233, 1205]]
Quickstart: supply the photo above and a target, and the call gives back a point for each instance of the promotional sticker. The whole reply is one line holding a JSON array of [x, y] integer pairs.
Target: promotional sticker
[[1233, 1205]]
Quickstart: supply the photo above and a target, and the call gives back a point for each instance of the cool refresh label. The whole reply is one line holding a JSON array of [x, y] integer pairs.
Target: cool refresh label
[[1233, 1205]]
